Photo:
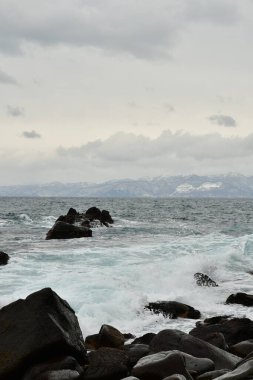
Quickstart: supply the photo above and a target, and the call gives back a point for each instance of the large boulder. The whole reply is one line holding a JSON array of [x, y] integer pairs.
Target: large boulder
[[108, 336], [167, 340], [173, 309], [4, 258], [204, 280], [243, 348], [240, 298], [37, 328], [144, 339], [62, 230], [234, 330], [244, 371]]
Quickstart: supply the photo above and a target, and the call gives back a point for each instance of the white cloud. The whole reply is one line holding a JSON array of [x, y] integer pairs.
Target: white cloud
[[31, 135], [223, 120], [15, 111], [6, 78]]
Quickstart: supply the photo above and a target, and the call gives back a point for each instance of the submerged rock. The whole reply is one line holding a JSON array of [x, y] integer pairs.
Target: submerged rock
[[204, 280], [4, 258], [35, 329], [173, 309], [240, 298]]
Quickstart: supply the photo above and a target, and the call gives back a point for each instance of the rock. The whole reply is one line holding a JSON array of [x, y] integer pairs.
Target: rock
[[240, 298], [196, 365], [3, 258], [173, 309], [160, 365], [204, 280], [93, 213], [106, 363], [212, 374], [243, 348], [175, 377], [144, 339], [55, 364], [62, 374], [217, 319], [168, 340], [135, 352], [62, 230], [35, 329], [92, 342], [234, 330], [217, 339], [109, 336], [106, 217], [244, 371], [130, 378]]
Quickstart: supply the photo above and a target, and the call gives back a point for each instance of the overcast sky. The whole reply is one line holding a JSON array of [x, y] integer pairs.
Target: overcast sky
[[93, 90]]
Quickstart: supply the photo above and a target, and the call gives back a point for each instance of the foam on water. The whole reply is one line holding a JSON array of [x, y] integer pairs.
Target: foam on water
[[110, 277]]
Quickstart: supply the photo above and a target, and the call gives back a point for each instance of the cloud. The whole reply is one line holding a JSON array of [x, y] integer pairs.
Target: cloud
[[142, 29], [169, 107], [7, 79], [31, 135], [223, 120], [15, 111]]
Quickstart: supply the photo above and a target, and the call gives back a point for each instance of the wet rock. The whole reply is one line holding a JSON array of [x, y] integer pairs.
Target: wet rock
[[92, 342], [144, 339], [212, 374], [242, 349], [244, 371], [217, 319], [168, 340], [235, 330], [4, 258], [175, 377], [109, 336], [217, 339], [62, 230], [93, 213], [173, 309], [62, 374], [196, 365], [106, 217], [240, 298], [135, 352], [160, 365], [106, 364], [204, 280], [130, 378], [35, 329]]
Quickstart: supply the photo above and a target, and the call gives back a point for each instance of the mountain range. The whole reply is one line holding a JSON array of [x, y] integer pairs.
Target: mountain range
[[218, 186]]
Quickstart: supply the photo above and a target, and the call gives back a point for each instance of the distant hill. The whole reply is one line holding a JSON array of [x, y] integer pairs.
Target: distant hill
[[220, 186]]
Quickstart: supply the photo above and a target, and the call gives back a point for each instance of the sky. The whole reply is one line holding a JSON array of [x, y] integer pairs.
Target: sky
[[94, 90]]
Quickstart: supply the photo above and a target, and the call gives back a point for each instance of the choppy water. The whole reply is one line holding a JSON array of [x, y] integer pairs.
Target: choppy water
[[151, 253]]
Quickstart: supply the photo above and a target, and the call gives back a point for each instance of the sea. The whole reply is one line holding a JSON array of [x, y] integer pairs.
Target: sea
[[151, 253]]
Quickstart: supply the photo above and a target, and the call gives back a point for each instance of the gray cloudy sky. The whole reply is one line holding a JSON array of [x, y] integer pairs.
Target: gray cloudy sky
[[92, 90]]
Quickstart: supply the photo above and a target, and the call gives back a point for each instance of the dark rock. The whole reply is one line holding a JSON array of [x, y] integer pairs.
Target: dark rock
[[217, 339], [217, 319], [62, 230], [135, 352], [128, 336], [212, 374], [240, 298], [3, 258], [244, 371], [72, 211], [106, 364], [35, 329], [93, 213], [234, 330], [243, 348], [106, 217], [130, 378], [173, 309], [63, 374], [195, 365], [109, 336], [204, 280], [160, 365], [92, 342], [144, 339], [167, 340], [175, 377]]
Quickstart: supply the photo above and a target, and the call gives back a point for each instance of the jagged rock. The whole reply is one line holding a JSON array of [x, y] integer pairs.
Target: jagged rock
[[204, 280], [168, 340], [235, 330], [144, 339], [160, 365], [243, 348], [106, 217], [173, 309], [35, 329], [106, 363], [135, 352], [62, 230], [240, 298], [4, 258], [212, 374], [244, 371], [93, 213]]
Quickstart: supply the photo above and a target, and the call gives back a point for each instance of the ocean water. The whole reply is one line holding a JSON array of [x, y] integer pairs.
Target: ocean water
[[151, 253]]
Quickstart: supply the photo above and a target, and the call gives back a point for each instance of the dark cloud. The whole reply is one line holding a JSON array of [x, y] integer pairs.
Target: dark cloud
[[223, 120], [15, 111], [31, 135], [143, 29], [6, 78]]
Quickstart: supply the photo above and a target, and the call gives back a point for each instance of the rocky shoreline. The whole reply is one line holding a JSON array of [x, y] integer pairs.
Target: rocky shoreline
[[40, 336]]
